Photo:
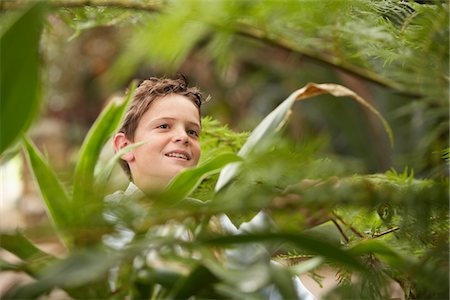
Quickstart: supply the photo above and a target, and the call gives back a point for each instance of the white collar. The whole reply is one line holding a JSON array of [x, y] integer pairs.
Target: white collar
[[133, 191]]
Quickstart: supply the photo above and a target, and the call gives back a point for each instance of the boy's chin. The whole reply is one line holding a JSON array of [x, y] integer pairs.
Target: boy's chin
[[175, 169], [160, 182]]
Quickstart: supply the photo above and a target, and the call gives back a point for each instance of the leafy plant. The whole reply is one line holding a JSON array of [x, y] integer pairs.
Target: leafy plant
[[183, 268], [375, 228]]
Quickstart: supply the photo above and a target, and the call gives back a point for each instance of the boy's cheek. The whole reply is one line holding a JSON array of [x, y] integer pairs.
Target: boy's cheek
[[199, 153]]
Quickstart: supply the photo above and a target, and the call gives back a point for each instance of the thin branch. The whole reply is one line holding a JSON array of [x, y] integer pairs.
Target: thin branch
[[150, 6], [330, 60], [376, 235], [340, 230], [359, 234]]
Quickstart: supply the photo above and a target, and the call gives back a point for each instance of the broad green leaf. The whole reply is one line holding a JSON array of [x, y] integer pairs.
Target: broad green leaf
[[20, 246], [101, 130], [6, 266], [315, 245], [19, 73], [33, 258], [103, 176], [58, 204], [271, 123], [185, 182], [274, 121]]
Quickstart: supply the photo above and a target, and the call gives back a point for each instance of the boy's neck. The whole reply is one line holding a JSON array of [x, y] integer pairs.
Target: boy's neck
[[151, 186]]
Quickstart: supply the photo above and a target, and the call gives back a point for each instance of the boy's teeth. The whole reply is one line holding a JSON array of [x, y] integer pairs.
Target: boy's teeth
[[178, 155]]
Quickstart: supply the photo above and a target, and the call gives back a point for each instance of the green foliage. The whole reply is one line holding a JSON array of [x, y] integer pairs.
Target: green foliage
[[20, 81], [24, 249], [383, 41], [187, 181], [185, 268], [83, 205], [377, 227], [55, 196], [84, 196]]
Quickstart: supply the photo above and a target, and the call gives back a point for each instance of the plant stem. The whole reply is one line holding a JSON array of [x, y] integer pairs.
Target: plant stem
[[359, 234], [330, 60], [376, 235], [340, 230]]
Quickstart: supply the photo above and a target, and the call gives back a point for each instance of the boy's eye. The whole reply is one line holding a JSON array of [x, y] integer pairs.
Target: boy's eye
[[192, 132], [163, 126]]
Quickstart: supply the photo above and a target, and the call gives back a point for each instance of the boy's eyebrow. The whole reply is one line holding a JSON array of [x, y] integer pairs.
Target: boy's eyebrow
[[172, 119]]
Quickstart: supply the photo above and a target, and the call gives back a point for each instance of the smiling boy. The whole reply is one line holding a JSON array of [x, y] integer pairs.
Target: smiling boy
[[165, 115]]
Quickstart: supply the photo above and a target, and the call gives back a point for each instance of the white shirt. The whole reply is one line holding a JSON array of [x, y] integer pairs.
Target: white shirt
[[240, 257]]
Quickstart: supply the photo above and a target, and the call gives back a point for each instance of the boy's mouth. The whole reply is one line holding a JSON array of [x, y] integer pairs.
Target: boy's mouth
[[179, 154]]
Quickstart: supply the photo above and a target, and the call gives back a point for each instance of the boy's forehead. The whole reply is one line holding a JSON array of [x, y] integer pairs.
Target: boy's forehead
[[173, 106]]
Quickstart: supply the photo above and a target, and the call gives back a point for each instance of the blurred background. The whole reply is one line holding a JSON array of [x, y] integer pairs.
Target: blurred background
[[248, 56]]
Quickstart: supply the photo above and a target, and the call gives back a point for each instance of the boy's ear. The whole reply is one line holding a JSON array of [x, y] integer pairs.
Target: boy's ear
[[120, 141]]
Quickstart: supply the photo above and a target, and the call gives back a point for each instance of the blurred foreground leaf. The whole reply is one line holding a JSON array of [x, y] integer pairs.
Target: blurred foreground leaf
[[58, 204], [100, 132], [33, 259], [19, 72], [314, 244], [22, 247], [186, 182]]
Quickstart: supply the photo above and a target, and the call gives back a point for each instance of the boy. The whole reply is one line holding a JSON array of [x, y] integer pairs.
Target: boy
[[165, 115]]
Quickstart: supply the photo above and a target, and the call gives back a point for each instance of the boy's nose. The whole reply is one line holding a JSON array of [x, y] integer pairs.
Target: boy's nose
[[181, 136]]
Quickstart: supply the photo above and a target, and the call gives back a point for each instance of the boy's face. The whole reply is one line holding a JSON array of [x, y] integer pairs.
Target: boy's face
[[171, 129]]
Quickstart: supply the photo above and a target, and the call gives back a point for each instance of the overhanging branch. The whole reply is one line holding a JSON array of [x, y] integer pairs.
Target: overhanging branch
[[330, 60], [241, 29], [150, 6]]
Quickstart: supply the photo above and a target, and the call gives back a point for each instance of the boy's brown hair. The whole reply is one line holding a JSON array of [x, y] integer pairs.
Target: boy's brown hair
[[147, 92]]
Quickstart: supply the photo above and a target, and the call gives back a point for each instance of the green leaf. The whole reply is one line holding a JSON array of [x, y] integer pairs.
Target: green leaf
[[185, 182], [57, 202], [101, 130], [274, 121], [19, 69], [33, 258], [103, 176], [316, 245], [6, 266], [20, 246], [271, 123]]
